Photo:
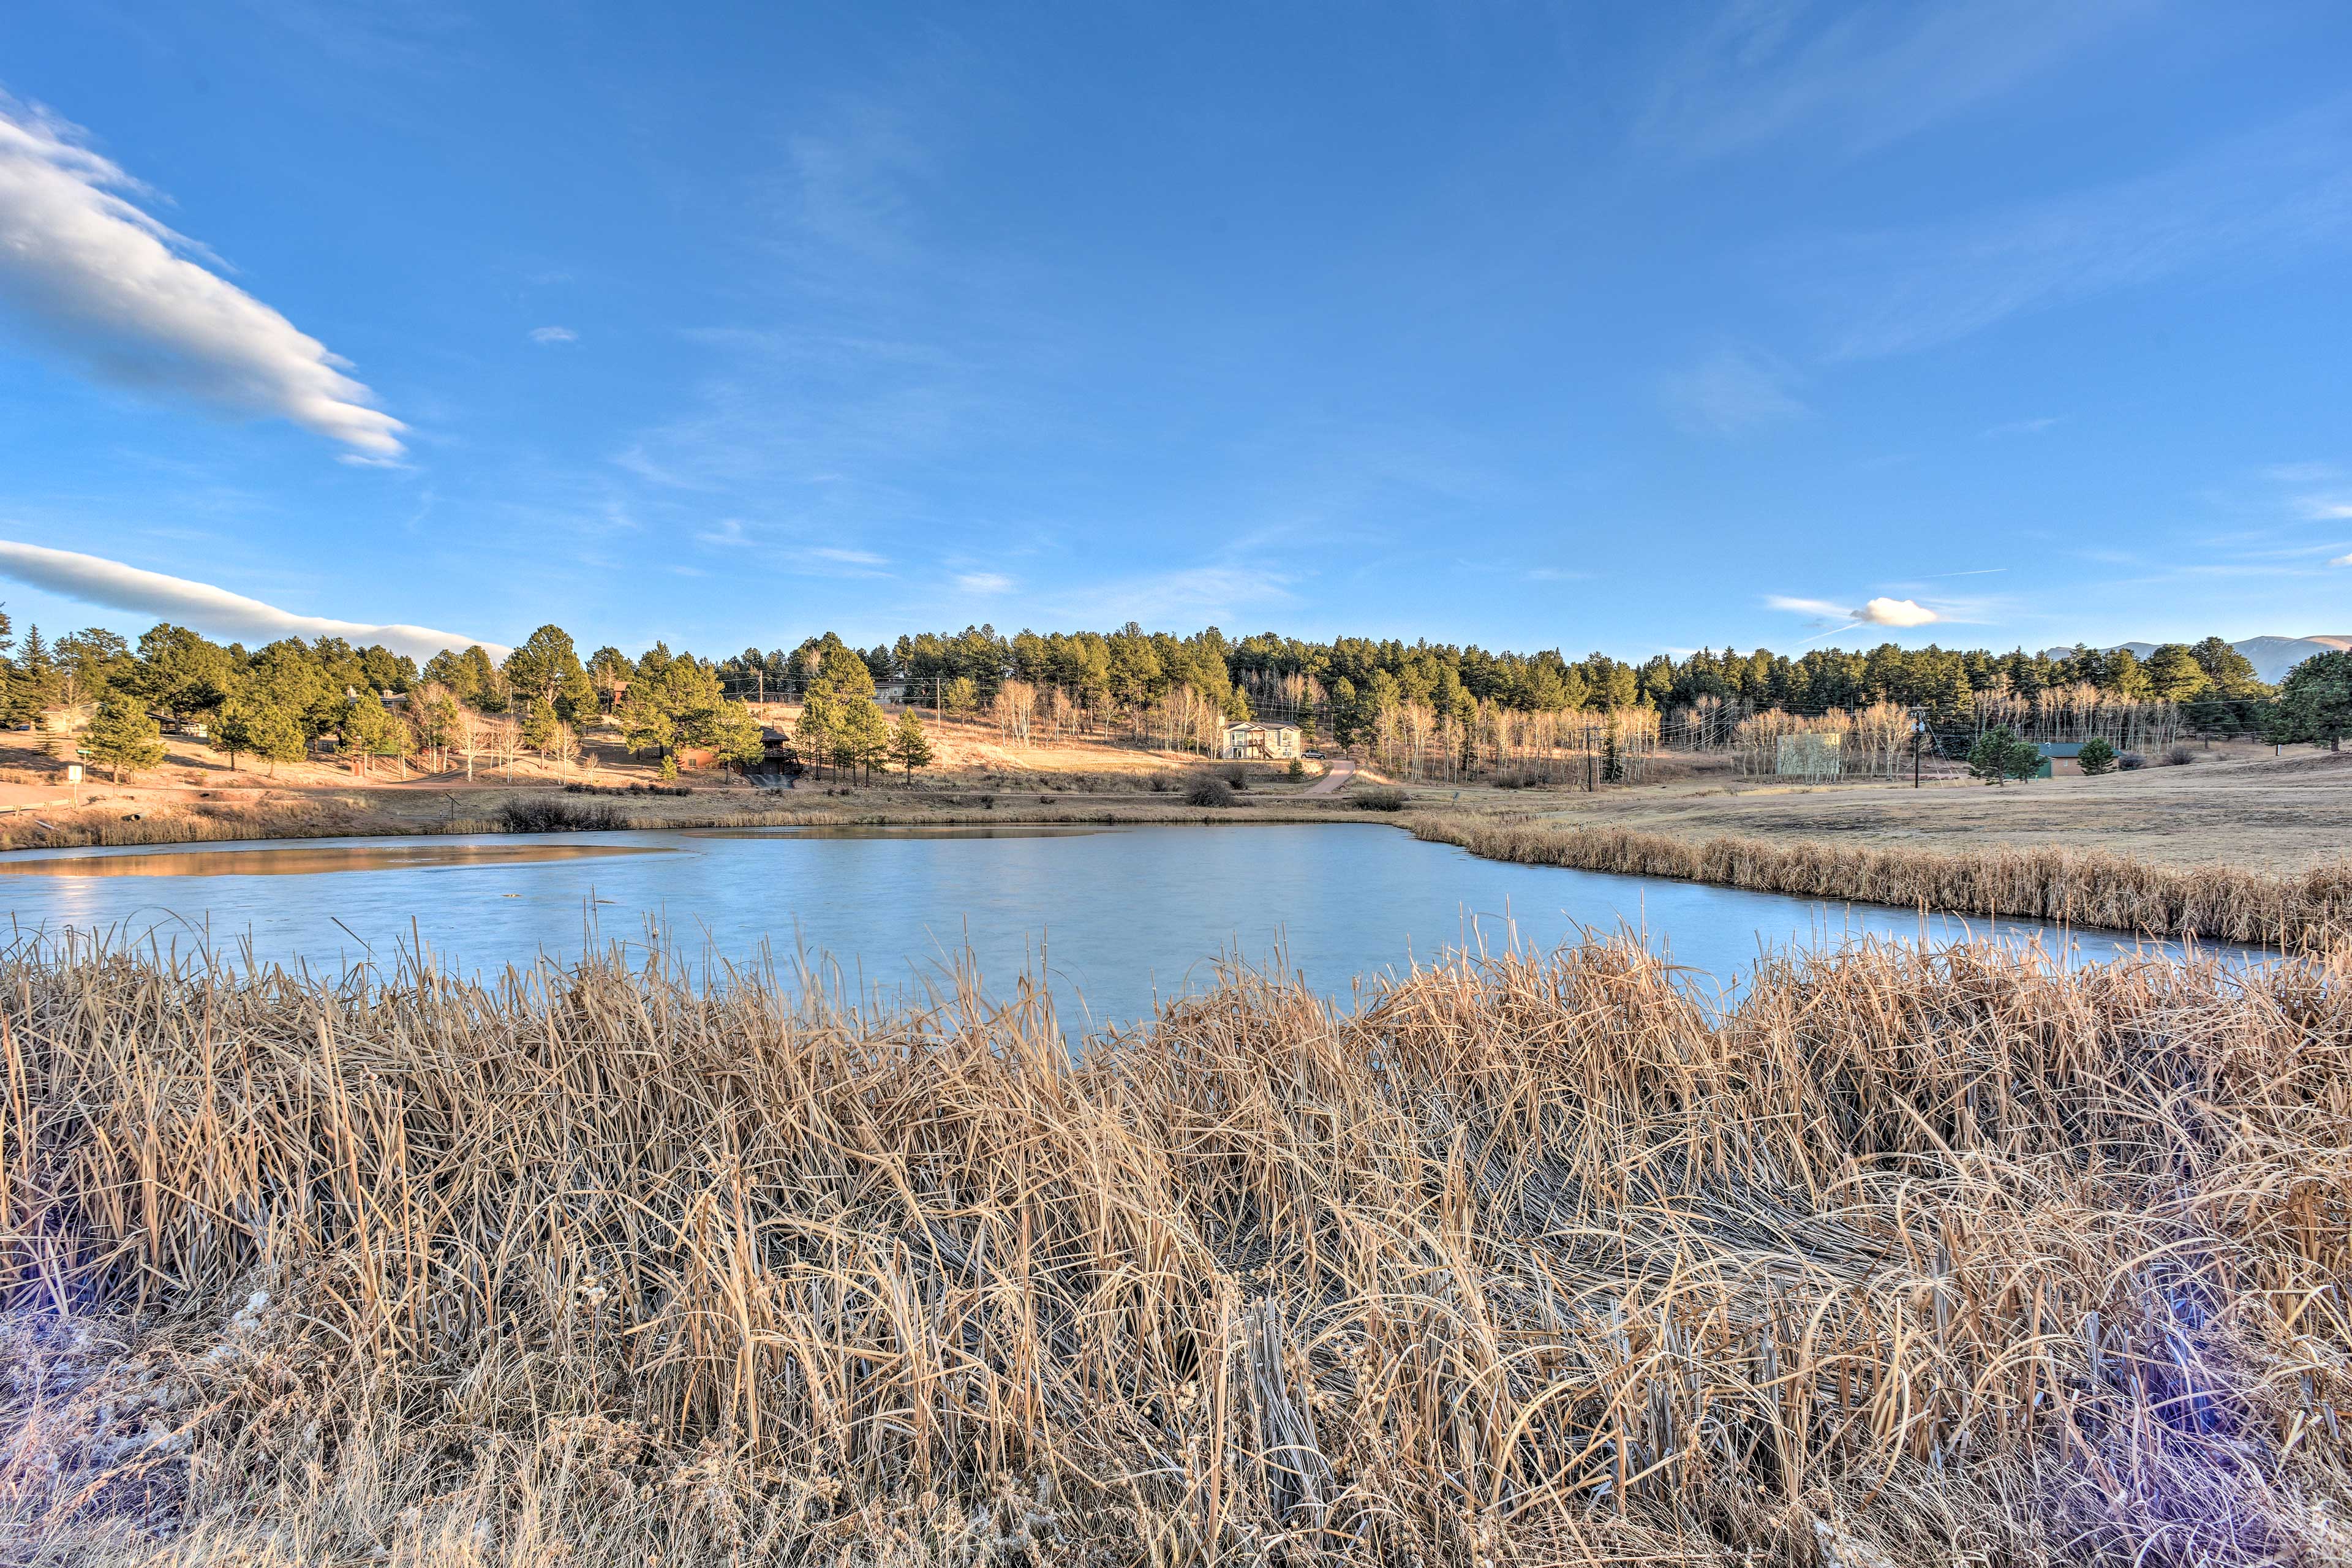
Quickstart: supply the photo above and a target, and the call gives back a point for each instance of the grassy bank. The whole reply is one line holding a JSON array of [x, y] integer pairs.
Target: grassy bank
[[1941, 1260], [348, 813], [2304, 912]]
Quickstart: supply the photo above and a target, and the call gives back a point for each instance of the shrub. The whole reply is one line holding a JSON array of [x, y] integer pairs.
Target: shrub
[[1209, 790], [2131, 762], [552, 816], [1296, 770], [1999, 757], [1380, 799], [2097, 757], [1235, 775], [2179, 754], [1160, 784]]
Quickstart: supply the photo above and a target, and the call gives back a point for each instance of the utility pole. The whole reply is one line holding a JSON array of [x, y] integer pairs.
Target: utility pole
[[1918, 733]]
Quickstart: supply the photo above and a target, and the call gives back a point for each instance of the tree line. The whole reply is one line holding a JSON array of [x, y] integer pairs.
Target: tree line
[[277, 701]]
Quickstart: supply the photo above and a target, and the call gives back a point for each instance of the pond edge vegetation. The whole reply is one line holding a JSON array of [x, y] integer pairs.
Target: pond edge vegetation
[[1912, 1257], [2296, 913]]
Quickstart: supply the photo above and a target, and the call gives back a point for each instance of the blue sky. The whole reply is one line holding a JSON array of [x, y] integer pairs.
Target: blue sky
[[1618, 327]]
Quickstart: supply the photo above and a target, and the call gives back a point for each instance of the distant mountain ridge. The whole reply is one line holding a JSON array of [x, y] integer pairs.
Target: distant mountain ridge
[[2271, 656]]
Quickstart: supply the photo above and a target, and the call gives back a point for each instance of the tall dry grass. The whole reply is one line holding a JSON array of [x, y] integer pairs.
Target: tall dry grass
[[2309, 912], [1957, 1259]]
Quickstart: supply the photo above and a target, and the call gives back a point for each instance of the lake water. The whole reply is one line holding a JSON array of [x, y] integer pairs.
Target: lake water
[[1117, 917]]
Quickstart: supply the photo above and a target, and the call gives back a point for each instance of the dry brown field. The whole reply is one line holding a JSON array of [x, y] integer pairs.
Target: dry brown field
[[2235, 805]]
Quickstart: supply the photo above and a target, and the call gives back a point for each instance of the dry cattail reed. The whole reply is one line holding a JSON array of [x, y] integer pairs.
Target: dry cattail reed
[[1946, 1259]]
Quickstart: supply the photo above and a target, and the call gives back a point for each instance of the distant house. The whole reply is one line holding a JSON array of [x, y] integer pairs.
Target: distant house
[[2059, 757], [1259, 741], [891, 691]]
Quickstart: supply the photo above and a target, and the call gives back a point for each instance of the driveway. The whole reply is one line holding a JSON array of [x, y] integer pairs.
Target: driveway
[[1335, 778]]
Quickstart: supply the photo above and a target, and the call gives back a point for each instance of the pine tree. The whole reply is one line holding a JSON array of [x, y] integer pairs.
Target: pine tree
[[865, 740], [813, 734], [911, 748], [2097, 757], [121, 735], [645, 725], [368, 731], [233, 729], [546, 668], [477, 683], [1999, 757], [736, 737], [2316, 700], [609, 671], [542, 730], [251, 723]]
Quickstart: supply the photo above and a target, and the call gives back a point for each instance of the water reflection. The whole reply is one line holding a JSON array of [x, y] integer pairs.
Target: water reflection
[[1114, 918], [276, 859]]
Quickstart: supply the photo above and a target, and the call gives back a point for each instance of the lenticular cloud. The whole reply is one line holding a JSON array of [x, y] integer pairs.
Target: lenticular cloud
[[129, 298], [215, 612]]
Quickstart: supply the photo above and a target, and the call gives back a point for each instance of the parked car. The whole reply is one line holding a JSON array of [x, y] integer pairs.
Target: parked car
[[1316, 755]]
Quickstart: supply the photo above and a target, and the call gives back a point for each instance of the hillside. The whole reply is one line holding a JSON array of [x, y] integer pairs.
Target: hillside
[[2271, 657]]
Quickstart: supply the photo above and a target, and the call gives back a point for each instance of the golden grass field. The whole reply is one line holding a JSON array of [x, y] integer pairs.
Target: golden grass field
[[1954, 1260]]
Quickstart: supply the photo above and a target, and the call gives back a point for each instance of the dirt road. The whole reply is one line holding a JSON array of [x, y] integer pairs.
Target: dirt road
[[1335, 778]]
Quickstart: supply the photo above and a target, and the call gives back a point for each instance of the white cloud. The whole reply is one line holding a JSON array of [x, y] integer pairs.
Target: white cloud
[[131, 301], [215, 612], [2023, 427], [984, 582], [2341, 561], [1732, 392], [2325, 508], [554, 335], [850, 557], [1895, 613], [1879, 612]]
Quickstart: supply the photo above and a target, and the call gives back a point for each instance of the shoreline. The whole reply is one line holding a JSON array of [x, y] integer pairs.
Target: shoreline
[[2091, 890]]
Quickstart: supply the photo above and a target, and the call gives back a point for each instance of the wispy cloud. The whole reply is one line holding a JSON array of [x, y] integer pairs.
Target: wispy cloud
[[554, 335], [2341, 561], [2325, 508], [1770, 69], [726, 533], [2023, 427], [849, 557], [215, 612], [1825, 608], [1192, 596], [851, 178], [1732, 392], [984, 582], [2268, 195], [134, 304]]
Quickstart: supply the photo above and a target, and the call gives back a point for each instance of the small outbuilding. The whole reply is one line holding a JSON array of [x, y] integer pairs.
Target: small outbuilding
[[1257, 740], [2059, 757]]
